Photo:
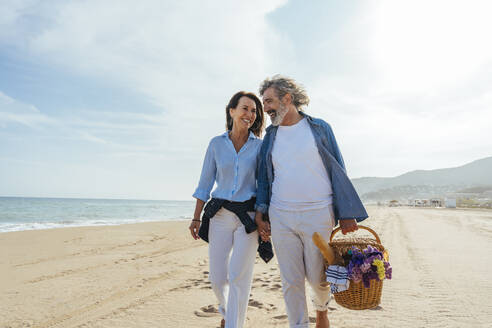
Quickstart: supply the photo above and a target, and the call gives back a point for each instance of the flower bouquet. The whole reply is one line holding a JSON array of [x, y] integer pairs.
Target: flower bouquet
[[369, 264]]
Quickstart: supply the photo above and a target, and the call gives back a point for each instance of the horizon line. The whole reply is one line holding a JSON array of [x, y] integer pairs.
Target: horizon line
[[85, 198]]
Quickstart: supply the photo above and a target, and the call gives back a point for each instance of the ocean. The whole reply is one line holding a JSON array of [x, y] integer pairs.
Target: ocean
[[19, 213]]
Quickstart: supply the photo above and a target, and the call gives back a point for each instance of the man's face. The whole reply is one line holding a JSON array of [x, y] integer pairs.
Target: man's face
[[273, 106]]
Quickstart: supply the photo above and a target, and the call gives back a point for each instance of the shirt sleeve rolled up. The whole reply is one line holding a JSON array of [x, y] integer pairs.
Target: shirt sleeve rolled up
[[207, 177]]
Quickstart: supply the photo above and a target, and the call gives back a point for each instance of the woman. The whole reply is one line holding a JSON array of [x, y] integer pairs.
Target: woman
[[230, 161]]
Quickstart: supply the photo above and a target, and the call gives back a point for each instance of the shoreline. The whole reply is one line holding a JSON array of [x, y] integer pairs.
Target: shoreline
[[99, 225], [189, 218]]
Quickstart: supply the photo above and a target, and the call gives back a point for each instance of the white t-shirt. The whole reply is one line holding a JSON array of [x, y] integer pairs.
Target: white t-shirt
[[300, 178]]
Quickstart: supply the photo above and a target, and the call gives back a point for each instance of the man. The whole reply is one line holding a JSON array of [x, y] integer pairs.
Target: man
[[303, 187]]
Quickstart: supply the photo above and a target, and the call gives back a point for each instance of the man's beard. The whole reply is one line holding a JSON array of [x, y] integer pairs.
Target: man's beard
[[279, 115]]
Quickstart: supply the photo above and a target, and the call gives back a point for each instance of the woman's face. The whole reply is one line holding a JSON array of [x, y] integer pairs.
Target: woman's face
[[244, 115]]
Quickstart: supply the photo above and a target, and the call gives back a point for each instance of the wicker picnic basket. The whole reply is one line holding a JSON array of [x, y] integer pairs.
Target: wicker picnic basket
[[357, 297]]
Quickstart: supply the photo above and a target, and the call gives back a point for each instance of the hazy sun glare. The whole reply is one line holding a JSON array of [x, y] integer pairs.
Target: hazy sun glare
[[421, 45]]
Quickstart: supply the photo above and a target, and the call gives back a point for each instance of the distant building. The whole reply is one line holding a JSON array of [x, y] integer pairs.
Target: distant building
[[450, 202], [394, 203], [436, 202], [418, 202]]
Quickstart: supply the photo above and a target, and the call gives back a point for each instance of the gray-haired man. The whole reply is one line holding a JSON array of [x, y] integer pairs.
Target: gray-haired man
[[303, 185]]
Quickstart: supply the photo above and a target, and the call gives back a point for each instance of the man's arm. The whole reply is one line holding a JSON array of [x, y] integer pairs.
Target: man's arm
[[261, 205], [334, 146], [262, 200], [347, 225]]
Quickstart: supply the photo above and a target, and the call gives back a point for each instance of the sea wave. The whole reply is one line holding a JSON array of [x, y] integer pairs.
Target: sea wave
[[21, 226], [18, 214]]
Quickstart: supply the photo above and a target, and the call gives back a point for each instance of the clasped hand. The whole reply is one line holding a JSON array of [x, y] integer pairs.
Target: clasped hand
[[263, 227]]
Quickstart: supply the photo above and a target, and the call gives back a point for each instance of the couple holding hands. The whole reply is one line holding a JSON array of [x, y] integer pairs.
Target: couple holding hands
[[287, 186]]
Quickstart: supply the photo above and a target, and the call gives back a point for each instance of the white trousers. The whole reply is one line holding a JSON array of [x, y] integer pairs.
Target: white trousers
[[299, 258], [231, 273]]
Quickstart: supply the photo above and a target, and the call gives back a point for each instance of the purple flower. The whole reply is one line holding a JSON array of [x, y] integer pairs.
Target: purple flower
[[365, 267], [372, 251], [388, 270], [355, 275], [357, 257], [366, 278]]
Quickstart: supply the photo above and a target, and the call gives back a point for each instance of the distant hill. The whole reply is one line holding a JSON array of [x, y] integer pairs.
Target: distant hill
[[466, 178]]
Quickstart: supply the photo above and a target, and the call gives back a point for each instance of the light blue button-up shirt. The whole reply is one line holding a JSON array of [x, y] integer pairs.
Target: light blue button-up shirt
[[234, 173]]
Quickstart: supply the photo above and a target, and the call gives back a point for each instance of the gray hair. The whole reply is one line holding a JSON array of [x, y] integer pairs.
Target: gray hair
[[285, 85]]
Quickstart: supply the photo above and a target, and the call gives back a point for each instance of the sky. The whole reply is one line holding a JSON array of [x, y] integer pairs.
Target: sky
[[119, 99]]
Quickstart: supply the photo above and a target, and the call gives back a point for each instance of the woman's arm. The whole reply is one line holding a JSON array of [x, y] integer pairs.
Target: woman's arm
[[207, 177], [198, 209], [195, 223], [202, 192]]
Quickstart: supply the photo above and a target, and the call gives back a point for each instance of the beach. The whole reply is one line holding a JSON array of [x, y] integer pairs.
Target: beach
[[155, 275]]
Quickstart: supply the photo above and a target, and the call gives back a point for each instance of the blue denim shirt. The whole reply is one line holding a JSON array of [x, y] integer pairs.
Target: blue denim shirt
[[235, 173], [346, 202]]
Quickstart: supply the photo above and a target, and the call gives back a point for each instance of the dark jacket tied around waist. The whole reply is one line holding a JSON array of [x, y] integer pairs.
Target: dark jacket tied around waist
[[241, 209]]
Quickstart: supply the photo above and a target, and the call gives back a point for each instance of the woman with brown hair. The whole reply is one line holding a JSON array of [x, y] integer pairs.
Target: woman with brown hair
[[230, 162]]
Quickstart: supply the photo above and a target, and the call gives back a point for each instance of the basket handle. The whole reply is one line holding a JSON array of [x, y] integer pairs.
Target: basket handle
[[360, 227]]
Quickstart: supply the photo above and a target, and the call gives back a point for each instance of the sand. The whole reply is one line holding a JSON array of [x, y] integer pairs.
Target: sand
[[155, 275]]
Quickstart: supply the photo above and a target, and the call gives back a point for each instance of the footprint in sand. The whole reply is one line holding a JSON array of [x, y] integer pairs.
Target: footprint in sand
[[255, 304], [198, 282], [259, 305], [284, 317], [280, 317], [207, 311]]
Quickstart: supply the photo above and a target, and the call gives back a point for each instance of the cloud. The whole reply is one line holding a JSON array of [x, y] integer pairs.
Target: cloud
[[13, 111], [116, 131], [184, 57], [162, 49], [388, 135], [422, 45]]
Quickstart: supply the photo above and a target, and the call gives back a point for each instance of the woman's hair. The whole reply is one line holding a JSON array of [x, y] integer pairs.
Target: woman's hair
[[257, 126], [283, 85]]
